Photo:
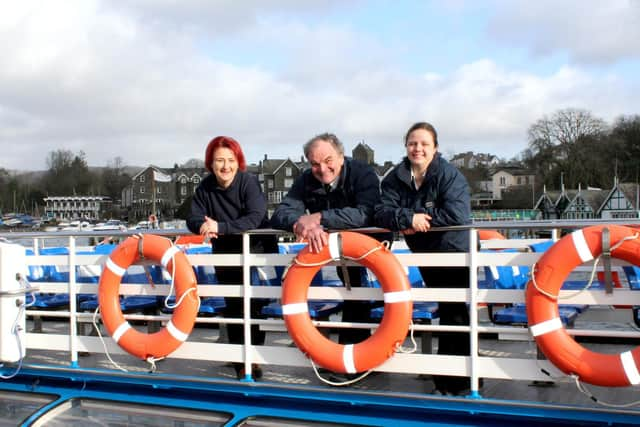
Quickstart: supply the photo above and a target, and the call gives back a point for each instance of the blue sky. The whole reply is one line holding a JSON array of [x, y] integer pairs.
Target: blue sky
[[152, 81]]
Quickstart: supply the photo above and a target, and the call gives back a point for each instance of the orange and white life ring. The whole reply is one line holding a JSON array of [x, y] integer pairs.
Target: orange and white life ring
[[489, 235], [169, 338], [398, 304], [609, 370]]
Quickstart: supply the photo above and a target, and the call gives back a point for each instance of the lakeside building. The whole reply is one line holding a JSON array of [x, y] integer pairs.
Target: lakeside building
[[93, 208]]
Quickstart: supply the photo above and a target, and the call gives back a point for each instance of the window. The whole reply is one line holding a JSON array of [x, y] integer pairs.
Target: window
[[270, 184], [141, 178], [158, 190], [196, 179], [183, 190], [287, 171], [141, 190], [503, 181], [183, 180], [288, 182], [519, 180]]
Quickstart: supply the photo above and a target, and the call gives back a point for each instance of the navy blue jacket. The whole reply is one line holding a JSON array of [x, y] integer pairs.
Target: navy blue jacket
[[444, 195], [237, 208], [349, 205]]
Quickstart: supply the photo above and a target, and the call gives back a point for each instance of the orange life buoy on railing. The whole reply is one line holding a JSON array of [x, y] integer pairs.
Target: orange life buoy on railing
[[398, 304], [165, 341], [609, 370], [490, 234]]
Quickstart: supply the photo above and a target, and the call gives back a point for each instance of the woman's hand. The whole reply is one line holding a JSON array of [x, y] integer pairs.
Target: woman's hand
[[420, 222], [209, 228]]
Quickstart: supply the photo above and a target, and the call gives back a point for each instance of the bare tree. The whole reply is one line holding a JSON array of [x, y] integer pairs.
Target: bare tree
[[554, 142], [564, 129]]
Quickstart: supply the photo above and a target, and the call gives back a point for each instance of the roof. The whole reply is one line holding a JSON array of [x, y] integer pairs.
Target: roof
[[631, 192]]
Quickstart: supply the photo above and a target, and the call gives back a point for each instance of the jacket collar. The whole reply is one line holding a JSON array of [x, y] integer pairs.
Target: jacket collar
[[404, 169]]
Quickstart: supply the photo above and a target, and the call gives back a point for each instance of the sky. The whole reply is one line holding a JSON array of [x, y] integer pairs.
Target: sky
[[153, 81]]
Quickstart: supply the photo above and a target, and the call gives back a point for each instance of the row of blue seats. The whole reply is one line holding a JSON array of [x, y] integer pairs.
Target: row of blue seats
[[516, 277], [502, 277]]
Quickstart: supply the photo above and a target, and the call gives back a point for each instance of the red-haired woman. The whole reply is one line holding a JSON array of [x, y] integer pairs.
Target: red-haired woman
[[228, 202]]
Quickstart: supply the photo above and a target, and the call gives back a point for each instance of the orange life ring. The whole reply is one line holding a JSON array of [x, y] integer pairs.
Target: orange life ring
[[190, 239], [398, 304], [169, 338], [609, 370], [490, 234]]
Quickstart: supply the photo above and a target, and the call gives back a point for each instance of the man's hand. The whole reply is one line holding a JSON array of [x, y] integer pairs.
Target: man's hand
[[306, 223], [308, 227], [209, 228], [318, 238]]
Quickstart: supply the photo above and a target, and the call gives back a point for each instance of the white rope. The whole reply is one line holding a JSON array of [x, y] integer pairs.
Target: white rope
[[173, 276], [584, 390], [591, 276], [152, 362], [338, 384], [104, 345], [15, 329], [401, 349]]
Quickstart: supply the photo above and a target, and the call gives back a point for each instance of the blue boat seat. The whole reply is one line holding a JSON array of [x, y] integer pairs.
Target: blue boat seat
[[632, 273], [422, 311], [517, 315], [517, 277]]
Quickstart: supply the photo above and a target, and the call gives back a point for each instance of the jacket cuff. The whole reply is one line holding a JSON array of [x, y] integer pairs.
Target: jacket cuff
[[223, 228]]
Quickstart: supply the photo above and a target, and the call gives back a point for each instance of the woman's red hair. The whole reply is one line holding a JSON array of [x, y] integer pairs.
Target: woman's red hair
[[226, 142]]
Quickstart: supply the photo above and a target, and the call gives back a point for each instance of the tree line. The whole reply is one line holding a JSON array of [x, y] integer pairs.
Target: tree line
[[67, 174], [576, 147]]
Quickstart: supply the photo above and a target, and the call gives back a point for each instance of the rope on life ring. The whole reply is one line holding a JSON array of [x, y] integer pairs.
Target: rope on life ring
[[553, 268], [168, 339], [398, 306]]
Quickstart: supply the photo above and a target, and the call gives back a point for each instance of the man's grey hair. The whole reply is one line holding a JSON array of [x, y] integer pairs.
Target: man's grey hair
[[329, 137]]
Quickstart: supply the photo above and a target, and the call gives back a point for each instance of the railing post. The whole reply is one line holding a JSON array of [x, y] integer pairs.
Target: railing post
[[246, 302], [73, 326], [473, 310]]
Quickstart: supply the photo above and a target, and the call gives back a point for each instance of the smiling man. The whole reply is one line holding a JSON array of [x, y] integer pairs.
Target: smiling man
[[336, 193]]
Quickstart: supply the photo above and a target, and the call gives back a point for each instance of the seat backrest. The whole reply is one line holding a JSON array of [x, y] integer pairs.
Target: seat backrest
[[506, 276], [541, 246], [633, 275]]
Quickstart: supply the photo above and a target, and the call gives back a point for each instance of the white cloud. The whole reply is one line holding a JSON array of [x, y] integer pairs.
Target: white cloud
[[143, 82], [588, 31]]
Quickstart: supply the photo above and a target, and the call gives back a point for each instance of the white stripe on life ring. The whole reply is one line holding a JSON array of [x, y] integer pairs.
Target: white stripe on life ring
[[347, 359], [168, 255], [630, 368], [334, 246], [546, 327], [296, 308], [581, 246], [176, 333], [120, 331], [399, 296], [115, 268]]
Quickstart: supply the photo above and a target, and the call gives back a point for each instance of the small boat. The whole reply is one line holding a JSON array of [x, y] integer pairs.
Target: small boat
[[110, 225]]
